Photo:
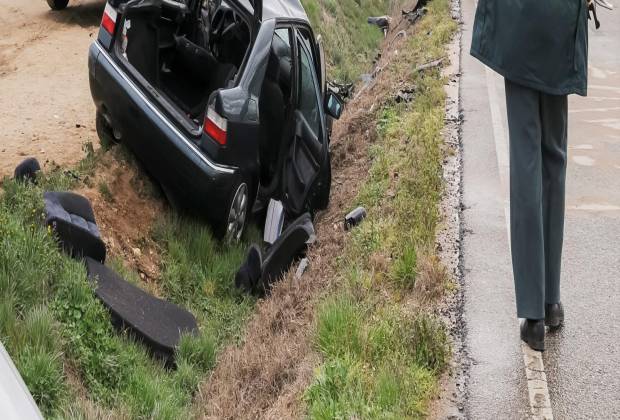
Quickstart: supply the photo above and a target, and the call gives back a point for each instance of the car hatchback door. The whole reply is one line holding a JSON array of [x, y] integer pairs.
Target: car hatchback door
[[308, 153]]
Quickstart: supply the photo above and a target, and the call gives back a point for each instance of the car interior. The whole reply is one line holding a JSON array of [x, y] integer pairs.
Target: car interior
[[186, 49], [275, 105]]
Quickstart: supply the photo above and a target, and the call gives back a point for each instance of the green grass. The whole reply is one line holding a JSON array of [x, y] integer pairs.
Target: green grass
[[50, 319], [381, 358], [350, 42]]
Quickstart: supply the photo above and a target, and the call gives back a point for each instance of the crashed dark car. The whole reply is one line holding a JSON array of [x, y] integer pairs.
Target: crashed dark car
[[224, 102]]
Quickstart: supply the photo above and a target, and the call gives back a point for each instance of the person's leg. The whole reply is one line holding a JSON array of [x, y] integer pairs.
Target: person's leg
[[526, 219], [554, 113]]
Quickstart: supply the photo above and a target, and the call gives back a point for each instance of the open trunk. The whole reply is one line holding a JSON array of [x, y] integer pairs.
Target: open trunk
[[185, 50]]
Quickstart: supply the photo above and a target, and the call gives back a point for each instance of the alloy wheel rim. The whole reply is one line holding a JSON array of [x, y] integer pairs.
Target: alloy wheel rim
[[237, 215]]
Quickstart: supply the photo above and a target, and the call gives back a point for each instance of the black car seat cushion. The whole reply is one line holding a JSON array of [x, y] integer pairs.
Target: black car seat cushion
[[27, 170], [291, 245], [71, 217], [157, 323], [250, 272]]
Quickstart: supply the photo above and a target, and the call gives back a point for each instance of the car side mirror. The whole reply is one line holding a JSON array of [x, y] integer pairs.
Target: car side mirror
[[334, 105]]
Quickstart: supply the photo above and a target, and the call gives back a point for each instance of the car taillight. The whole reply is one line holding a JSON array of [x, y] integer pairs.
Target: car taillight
[[216, 126], [108, 22]]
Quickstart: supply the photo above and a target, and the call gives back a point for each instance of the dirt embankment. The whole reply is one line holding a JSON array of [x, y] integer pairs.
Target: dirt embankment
[[47, 110]]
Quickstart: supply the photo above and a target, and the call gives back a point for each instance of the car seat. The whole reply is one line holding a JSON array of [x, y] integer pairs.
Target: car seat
[[157, 323], [206, 75], [72, 219], [273, 106]]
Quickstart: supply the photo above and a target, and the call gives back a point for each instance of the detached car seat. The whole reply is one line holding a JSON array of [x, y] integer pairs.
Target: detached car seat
[[71, 217], [157, 323]]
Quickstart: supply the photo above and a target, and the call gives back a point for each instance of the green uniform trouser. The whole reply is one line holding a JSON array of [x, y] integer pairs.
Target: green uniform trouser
[[538, 141]]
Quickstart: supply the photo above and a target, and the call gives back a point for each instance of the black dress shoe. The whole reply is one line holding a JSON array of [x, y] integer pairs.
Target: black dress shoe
[[533, 333], [554, 315]]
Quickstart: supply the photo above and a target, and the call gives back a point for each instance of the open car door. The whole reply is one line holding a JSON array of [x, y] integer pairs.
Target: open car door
[[308, 154]]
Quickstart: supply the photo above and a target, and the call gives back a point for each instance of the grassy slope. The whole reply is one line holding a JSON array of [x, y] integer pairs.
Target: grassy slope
[[60, 336], [383, 354]]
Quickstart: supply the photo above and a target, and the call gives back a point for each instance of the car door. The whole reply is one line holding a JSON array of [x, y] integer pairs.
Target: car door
[[308, 155]]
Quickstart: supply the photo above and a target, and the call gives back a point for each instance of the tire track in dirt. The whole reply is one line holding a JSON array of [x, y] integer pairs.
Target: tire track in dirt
[[47, 111]]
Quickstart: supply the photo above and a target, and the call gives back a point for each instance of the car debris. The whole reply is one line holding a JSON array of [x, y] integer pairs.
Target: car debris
[[155, 322], [430, 64], [355, 218], [405, 95], [225, 100], [383, 22], [416, 13], [343, 90], [274, 222], [258, 274], [27, 170], [302, 268]]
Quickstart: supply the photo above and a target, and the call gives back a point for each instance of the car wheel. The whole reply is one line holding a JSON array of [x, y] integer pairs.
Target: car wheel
[[237, 214], [104, 131], [57, 4]]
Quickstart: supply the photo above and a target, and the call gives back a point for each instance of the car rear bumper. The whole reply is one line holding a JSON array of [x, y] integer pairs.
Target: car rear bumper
[[168, 153]]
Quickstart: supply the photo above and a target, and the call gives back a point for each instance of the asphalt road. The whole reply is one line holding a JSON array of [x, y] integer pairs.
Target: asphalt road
[[582, 362]]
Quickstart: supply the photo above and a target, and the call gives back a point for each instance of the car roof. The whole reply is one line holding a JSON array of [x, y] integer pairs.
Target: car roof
[[278, 9], [291, 9]]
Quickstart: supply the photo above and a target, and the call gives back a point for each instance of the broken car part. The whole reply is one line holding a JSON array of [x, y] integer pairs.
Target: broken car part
[[258, 273], [274, 222], [155, 322], [16, 402], [72, 219], [301, 268], [250, 272], [354, 218], [27, 170], [290, 245], [383, 22], [214, 95]]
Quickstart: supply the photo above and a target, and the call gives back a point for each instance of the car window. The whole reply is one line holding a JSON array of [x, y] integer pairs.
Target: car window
[[284, 35], [308, 98]]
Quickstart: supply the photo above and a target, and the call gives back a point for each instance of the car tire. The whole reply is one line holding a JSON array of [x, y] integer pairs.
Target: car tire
[[104, 131], [238, 213], [57, 4]]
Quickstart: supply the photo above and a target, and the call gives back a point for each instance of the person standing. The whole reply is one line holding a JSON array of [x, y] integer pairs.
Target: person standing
[[541, 49]]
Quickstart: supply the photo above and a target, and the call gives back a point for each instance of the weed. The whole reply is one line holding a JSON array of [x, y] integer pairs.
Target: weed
[[105, 192], [338, 328]]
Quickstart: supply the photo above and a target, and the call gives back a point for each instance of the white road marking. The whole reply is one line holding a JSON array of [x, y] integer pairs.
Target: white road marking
[[604, 87], [540, 400], [583, 160], [594, 207], [581, 147], [578, 111]]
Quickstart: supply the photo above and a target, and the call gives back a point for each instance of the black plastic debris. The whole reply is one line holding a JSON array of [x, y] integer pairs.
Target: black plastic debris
[[405, 95], [72, 218], [344, 90], [290, 246], [383, 22], [412, 16], [155, 322], [354, 218], [27, 170], [251, 271], [257, 274]]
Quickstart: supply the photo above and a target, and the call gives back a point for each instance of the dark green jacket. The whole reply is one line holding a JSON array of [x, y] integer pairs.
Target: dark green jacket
[[541, 44]]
